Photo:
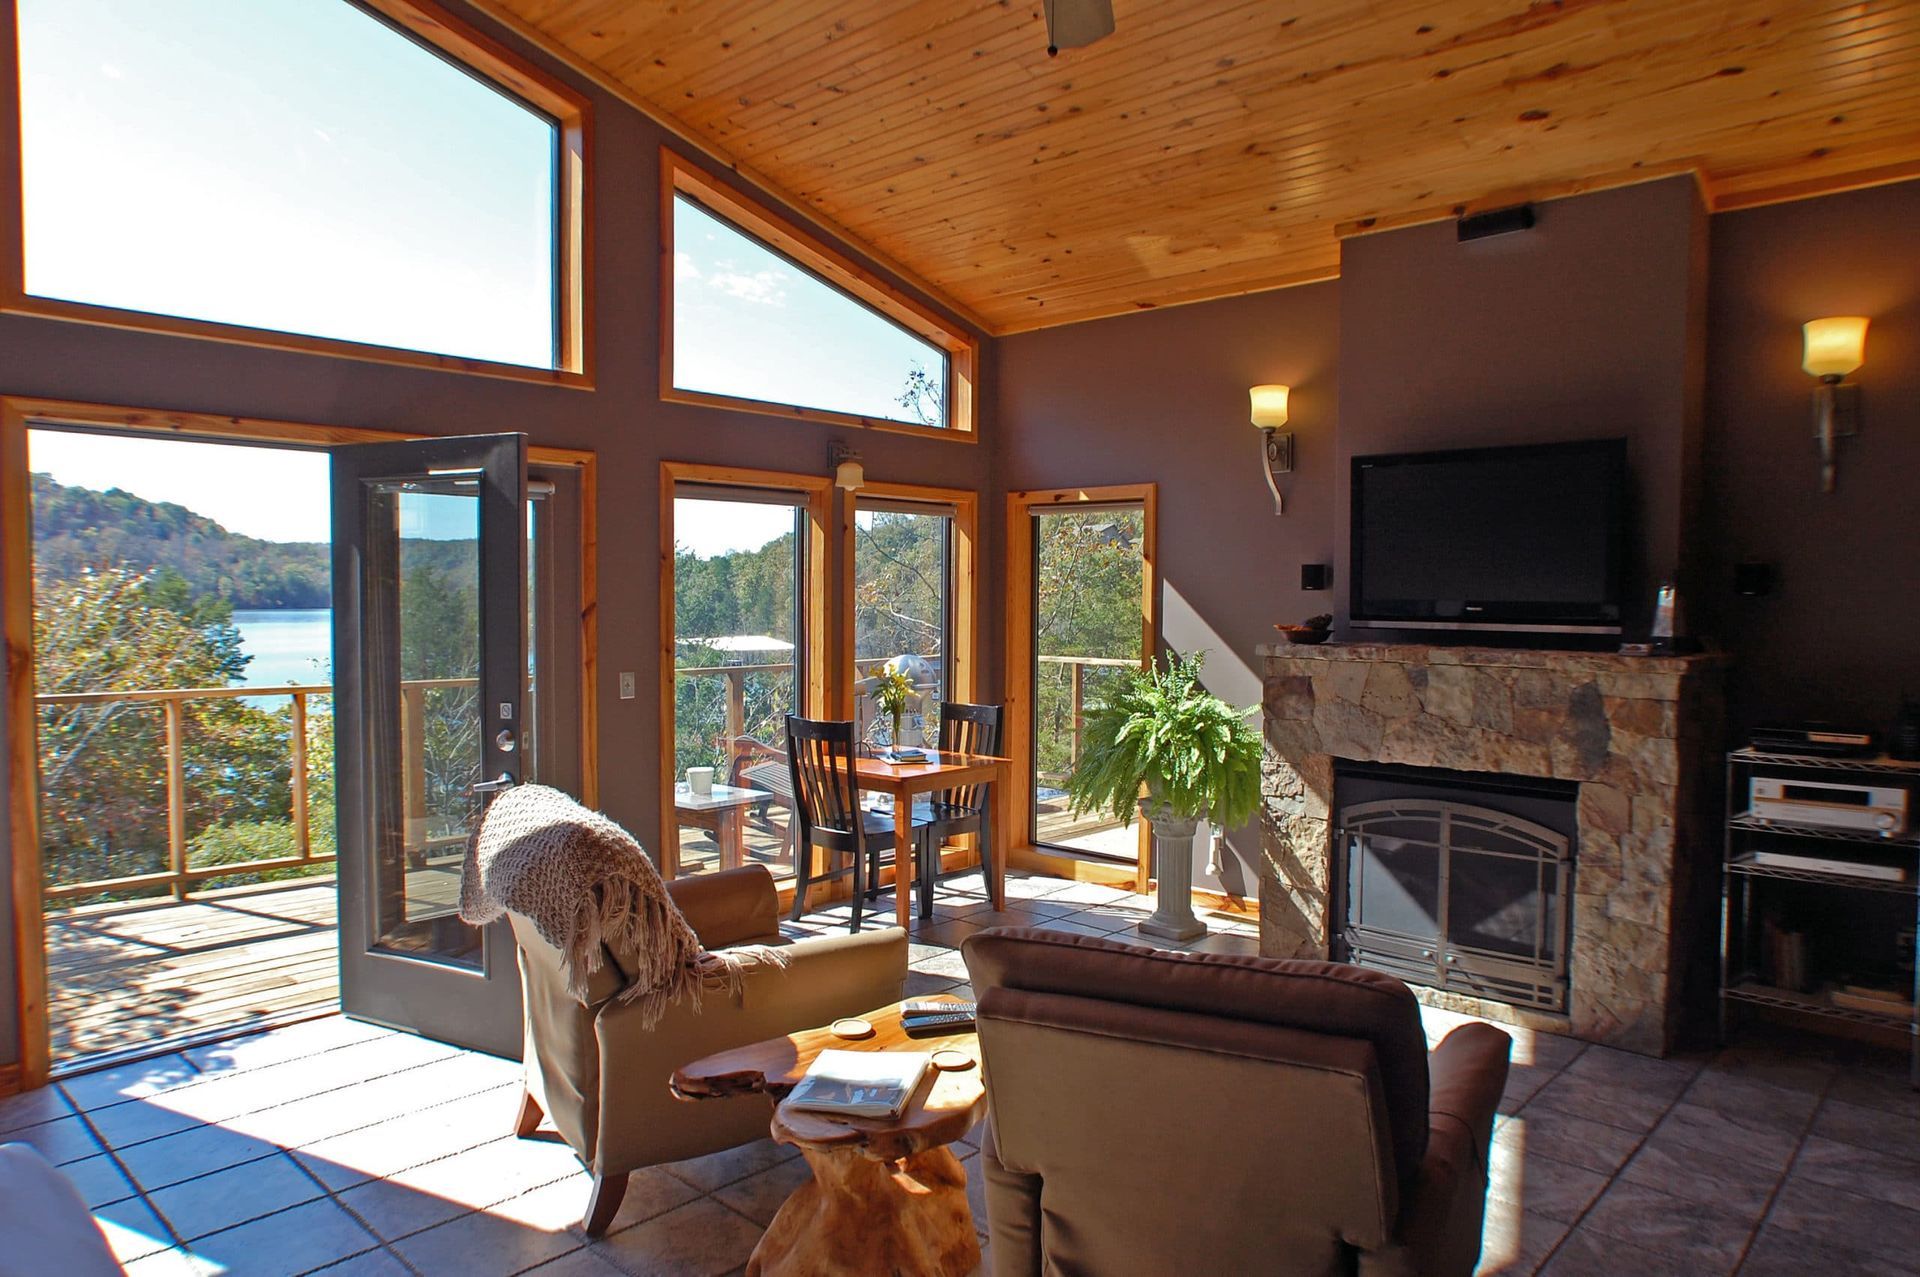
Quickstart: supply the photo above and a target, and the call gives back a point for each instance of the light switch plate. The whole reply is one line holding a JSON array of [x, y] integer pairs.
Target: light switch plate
[[626, 685]]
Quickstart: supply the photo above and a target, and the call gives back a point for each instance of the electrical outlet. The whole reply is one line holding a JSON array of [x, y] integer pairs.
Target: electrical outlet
[[626, 685]]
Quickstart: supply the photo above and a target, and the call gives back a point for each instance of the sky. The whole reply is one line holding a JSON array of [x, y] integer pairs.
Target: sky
[[275, 494], [302, 167], [298, 166]]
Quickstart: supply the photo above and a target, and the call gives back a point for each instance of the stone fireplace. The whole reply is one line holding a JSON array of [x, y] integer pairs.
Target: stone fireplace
[[1627, 738]]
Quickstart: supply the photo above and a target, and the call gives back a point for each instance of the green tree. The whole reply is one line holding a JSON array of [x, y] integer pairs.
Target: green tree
[[102, 772]]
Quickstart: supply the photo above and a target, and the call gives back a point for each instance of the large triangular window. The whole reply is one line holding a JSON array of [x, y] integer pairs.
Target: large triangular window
[[767, 318], [304, 172]]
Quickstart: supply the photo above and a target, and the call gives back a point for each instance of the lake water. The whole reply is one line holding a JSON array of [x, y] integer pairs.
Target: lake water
[[289, 645]]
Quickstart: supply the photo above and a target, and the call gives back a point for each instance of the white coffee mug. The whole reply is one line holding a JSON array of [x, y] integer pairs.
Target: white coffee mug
[[700, 781]]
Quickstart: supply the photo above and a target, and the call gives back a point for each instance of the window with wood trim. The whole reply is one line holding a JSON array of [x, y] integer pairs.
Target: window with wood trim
[[902, 617], [762, 316], [368, 179], [743, 616]]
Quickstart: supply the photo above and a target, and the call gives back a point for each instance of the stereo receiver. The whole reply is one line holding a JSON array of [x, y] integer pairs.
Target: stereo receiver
[[1874, 809]]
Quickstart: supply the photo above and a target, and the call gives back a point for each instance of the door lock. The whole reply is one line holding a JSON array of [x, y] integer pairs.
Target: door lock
[[506, 742]]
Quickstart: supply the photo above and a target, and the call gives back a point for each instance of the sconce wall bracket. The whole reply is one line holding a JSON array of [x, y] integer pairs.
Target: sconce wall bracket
[[1277, 449], [1836, 415]]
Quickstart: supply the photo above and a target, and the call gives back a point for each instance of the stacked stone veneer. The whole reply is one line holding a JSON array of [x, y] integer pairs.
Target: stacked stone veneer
[[1633, 732]]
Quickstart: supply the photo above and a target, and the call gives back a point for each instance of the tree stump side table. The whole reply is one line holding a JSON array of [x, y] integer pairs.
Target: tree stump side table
[[886, 1196]]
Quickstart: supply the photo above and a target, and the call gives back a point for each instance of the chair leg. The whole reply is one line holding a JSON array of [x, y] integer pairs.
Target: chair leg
[[928, 856], [604, 1204], [859, 886], [528, 1119], [802, 875]]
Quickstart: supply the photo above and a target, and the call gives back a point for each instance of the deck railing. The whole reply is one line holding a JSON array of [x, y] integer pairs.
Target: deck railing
[[179, 877], [736, 680]]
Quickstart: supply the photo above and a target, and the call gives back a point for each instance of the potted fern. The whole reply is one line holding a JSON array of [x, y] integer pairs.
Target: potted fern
[[1198, 758]]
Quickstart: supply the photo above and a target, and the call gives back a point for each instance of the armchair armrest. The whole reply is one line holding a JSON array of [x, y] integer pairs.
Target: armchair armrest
[[730, 907], [1466, 1075], [642, 1123], [1013, 1212], [1440, 1223]]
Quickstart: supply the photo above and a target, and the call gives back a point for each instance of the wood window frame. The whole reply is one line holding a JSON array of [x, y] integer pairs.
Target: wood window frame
[[817, 683], [490, 61], [962, 506], [19, 414], [832, 266], [1020, 698]]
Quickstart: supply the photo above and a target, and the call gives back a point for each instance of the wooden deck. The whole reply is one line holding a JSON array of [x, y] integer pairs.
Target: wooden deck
[[142, 975]]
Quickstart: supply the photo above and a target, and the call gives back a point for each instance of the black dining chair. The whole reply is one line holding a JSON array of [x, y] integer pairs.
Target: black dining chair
[[967, 809], [826, 805]]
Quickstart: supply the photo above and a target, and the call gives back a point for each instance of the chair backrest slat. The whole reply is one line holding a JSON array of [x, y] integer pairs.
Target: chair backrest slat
[[820, 756], [968, 729]]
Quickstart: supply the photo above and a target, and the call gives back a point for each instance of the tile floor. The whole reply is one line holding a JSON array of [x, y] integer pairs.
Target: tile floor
[[335, 1146]]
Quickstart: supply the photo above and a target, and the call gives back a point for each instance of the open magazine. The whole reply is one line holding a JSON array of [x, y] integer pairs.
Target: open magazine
[[861, 1083]]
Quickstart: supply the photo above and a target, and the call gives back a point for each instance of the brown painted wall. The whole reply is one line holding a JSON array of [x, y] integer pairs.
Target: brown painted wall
[[1839, 637], [1624, 312], [623, 421], [1162, 397], [1585, 327]]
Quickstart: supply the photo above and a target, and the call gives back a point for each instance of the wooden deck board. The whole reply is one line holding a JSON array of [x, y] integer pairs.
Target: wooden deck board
[[142, 974]]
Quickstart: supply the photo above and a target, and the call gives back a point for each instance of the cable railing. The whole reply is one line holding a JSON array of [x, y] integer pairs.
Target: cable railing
[[735, 725], [179, 877]]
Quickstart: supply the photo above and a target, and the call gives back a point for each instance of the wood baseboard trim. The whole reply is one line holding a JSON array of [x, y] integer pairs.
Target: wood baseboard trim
[[1064, 864]]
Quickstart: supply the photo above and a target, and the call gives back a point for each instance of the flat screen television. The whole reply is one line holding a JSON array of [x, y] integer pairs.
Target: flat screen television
[[1521, 539]]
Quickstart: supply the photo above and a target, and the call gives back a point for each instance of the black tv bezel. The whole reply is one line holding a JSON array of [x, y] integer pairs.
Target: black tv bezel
[[1510, 617]]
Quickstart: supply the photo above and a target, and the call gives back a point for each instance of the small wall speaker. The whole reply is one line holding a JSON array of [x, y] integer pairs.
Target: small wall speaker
[[1316, 576], [1499, 221]]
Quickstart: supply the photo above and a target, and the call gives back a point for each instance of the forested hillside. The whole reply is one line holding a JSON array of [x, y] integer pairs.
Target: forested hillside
[[79, 528]]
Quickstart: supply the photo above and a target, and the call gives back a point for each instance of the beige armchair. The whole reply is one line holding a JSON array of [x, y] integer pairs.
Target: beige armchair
[[1157, 1112], [603, 1078]]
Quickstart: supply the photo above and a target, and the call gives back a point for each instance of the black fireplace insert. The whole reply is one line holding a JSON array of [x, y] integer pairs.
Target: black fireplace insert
[[1456, 880]]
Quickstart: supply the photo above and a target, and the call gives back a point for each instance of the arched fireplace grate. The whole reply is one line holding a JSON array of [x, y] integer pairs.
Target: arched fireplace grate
[[1458, 897]]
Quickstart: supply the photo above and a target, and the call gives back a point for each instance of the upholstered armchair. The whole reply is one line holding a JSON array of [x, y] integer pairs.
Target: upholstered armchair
[[1157, 1112], [602, 1078]]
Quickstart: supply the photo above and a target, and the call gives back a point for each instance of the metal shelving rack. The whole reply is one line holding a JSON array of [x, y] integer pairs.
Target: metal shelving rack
[[1739, 981]]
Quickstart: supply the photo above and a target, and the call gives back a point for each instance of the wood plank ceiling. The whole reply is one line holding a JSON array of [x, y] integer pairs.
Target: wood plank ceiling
[[1219, 147]]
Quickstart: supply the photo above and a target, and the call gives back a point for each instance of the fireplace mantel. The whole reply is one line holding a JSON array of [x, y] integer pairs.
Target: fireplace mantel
[[1635, 733]]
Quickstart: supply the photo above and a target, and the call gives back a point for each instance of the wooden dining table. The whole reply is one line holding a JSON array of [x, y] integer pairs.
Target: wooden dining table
[[906, 781]]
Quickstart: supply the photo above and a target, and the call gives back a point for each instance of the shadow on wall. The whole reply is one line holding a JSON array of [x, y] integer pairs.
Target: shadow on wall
[[1228, 676]]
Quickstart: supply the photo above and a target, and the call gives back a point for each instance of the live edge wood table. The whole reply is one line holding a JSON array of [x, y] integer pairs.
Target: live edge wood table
[[907, 781], [887, 1195]]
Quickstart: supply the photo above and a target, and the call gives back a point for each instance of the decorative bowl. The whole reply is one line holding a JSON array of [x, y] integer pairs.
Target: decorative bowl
[[1304, 635]]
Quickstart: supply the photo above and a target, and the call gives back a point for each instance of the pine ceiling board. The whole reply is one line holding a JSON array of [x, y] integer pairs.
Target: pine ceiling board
[[1217, 144]]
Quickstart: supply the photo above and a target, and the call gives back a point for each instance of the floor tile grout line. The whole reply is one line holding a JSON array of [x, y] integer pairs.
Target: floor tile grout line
[[205, 1076], [1786, 1172], [139, 1189], [220, 1122], [1613, 1176]]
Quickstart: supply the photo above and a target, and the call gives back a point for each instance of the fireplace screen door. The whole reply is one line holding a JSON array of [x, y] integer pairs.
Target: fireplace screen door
[[1458, 897]]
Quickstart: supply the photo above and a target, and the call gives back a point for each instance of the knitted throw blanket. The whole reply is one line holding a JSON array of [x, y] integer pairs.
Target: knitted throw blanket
[[587, 886]]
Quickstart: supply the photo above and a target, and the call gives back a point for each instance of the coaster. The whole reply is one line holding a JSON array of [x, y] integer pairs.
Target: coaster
[[952, 1061], [851, 1028]]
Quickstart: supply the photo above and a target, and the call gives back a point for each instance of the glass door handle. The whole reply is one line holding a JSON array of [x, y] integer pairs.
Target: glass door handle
[[504, 780]]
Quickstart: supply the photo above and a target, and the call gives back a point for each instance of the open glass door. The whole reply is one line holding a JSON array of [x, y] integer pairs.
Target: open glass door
[[430, 663]]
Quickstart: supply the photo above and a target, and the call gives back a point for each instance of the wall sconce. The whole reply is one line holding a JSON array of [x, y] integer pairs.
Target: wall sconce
[[848, 474], [1834, 348], [1270, 413]]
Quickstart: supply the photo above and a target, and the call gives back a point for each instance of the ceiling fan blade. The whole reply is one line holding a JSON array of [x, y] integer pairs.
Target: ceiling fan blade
[[1073, 23]]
